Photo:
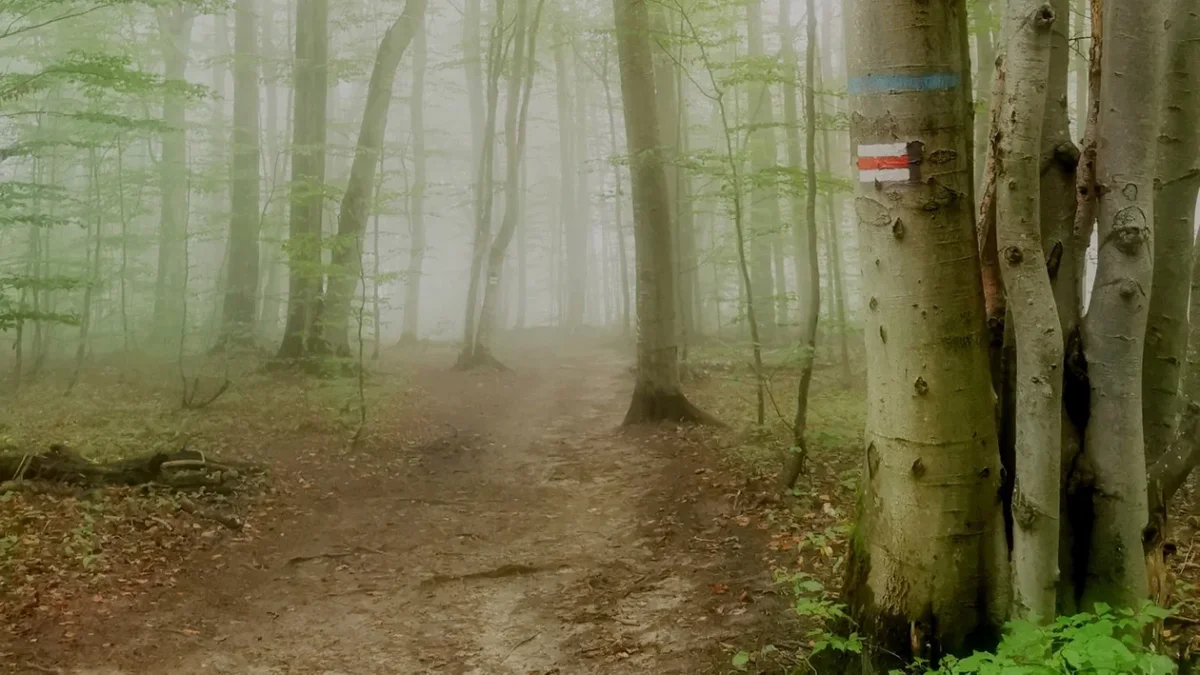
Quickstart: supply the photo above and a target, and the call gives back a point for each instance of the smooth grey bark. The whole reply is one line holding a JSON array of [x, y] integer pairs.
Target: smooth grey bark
[[1177, 181], [985, 65], [1115, 326], [1039, 340], [346, 270], [1081, 27], [618, 199], [764, 195], [929, 533], [581, 228], [485, 180], [303, 333], [568, 170], [657, 394], [520, 88], [175, 37], [1174, 215], [416, 195], [240, 308], [804, 221]]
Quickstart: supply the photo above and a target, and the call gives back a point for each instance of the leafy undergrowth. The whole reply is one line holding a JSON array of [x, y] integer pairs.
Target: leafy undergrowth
[[66, 552], [808, 532]]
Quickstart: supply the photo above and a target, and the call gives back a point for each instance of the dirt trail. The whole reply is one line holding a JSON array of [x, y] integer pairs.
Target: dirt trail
[[531, 535]]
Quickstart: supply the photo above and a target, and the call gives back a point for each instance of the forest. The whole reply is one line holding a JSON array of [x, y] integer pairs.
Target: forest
[[620, 336]]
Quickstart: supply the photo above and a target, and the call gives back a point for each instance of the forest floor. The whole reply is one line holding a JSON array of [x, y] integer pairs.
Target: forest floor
[[486, 523]]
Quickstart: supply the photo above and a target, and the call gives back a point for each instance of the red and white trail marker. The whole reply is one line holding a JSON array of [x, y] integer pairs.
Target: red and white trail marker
[[887, 162]]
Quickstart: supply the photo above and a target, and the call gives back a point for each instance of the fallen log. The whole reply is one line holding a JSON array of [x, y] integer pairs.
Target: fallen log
[[188, 468]]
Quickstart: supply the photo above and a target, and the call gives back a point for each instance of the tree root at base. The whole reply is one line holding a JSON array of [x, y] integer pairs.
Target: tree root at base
[[649, 407]]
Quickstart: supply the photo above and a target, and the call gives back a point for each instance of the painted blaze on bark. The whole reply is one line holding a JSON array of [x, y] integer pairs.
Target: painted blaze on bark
[[928, 552]]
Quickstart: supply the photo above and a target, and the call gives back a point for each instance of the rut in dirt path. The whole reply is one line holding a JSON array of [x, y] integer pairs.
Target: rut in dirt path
[[533, 536]]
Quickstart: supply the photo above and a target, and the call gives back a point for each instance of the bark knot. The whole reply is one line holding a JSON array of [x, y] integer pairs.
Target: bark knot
[[1044, 16], [918, 468], [873, 304], [1013, 255], [1129, 230], [921, 386]]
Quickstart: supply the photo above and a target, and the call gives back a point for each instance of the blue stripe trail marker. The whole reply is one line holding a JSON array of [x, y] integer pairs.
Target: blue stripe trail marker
[[878, 84]]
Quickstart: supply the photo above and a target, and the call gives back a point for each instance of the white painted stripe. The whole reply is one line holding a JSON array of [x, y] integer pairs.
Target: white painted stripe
[[884, 175], [883, 150]]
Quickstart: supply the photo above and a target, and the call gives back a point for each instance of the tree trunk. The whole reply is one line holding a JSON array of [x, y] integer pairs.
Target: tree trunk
[[1115, 325], [302, 333], [273, 214], [568, 168], [416, 195], [657, 395], [764, 196], [581, 227], [520, 89], [927, 571], [1081, 28], [618, 202], [175, 36], [241, 288], [985, 63], [808, 281], [833, 206], [1178, 178], [352, 220], [486, 176], [1039, 341]]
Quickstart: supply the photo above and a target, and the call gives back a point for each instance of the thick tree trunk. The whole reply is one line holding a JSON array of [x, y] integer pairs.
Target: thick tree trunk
[[927, 572], [1115, 325], [416, 194], [302, 333], [241, 288], [175, 37], [1039, 341], [657, 394], [764, 196], [804, 219], [1177, 179], [352, 219]]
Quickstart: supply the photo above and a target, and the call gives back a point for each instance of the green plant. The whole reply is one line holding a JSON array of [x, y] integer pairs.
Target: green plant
[[1107, 642]]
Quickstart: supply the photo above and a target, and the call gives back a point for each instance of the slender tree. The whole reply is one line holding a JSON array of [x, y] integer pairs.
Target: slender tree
[[416, 196], [764, 196], [241, 286]]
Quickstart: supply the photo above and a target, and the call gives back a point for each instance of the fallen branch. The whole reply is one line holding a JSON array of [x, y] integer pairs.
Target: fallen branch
[[62, 465], [231, 522]]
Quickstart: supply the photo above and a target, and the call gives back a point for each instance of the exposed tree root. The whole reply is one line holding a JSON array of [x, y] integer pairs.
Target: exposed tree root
[[501, 572], [650, 406], [479, 358]]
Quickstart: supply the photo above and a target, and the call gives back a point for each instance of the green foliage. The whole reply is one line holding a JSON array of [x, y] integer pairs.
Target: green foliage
[[1106, 642]]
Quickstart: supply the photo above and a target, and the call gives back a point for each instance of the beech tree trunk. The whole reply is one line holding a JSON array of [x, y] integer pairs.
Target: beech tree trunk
[[657, 395], [985, 64], [416, 194], [764, 196], [804, 219], [485, 179], [241, 288], [927, 573], [1178, 178], [356, 203], [175, 38], [1039, 341], [618, 203], [520, 88], [1115, 325], [302, 333]]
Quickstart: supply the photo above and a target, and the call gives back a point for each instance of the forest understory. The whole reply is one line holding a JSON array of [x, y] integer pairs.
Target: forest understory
[[486, 522]]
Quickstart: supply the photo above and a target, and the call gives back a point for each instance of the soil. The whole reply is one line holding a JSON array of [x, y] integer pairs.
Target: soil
[[508, 525]]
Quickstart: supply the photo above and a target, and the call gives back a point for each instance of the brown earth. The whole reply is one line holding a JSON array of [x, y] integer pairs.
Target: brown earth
[[506, 525]]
